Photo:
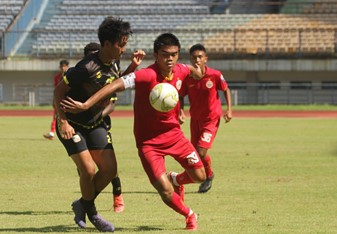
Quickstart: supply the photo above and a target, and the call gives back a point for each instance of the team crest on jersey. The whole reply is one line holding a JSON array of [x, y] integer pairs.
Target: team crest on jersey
[[209, 84], [98, 74], [178, 84]]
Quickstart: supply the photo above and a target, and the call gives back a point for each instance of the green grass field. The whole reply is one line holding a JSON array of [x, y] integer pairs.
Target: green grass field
[[272, 176]]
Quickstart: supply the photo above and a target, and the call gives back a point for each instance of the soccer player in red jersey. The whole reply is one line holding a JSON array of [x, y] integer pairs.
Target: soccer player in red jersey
[[158, 134], [205, 108], [64, 65]]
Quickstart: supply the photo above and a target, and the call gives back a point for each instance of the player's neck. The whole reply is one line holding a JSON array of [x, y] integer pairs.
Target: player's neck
[[167, 75], [104, 58]]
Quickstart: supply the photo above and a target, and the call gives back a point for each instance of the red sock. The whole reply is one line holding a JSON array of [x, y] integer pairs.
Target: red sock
[[208, 165], [184, 178], [178, 206]]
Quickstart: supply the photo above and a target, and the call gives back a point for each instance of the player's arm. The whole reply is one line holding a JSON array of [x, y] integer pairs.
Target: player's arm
[[228, 113], [181, 113], [136, 60], [65, 128], [118, 85], [109, 108], [195, 72]]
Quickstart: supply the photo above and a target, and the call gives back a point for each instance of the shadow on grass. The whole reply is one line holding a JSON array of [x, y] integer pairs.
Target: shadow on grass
[[65, 229], [35, 212]]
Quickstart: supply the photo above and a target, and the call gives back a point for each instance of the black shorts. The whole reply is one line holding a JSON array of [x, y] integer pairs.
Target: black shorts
[[87, 139]]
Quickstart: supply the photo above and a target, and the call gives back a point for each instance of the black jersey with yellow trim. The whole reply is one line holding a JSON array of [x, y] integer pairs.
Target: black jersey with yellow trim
[[86, 78]]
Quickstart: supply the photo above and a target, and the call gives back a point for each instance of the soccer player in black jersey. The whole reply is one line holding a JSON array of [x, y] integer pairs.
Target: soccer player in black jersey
[[118, 201], [85, 135]]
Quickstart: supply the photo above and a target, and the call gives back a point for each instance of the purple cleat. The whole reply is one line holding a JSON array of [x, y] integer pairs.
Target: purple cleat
[[79, 213], [101, 224]]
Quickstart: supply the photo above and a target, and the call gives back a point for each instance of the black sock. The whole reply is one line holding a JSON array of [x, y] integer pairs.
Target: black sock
[[89, 207], [116, 186]]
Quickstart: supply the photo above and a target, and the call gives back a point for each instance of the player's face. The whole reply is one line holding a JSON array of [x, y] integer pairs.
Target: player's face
[[167, 57], [63, 68], [198, 57], [118, 48]]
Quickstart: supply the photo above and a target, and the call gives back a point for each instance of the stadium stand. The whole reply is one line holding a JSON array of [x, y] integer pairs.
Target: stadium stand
[[267, 35], [241, 36]]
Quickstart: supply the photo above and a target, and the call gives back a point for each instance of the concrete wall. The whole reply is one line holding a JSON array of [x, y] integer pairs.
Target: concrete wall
[[20, 77]]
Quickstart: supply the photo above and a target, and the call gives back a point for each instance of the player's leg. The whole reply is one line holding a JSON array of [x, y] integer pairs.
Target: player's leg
[[154, 165], [202, 136], [103, 155], [118, 201], [184, 153], [85, 205], [50, 135], [77, 149]]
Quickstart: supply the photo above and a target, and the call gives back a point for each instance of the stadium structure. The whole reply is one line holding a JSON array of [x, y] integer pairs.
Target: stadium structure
[[270, 52]]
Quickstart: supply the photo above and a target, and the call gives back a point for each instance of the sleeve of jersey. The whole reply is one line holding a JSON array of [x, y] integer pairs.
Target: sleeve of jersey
[[222, 84], [129, 80], [75, 76]]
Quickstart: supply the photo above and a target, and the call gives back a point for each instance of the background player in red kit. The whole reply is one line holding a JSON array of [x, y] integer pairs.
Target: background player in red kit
[[205, 108], [158, 134], [64, 65]]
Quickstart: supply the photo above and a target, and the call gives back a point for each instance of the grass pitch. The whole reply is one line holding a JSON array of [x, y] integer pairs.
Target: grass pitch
[[272, 175]]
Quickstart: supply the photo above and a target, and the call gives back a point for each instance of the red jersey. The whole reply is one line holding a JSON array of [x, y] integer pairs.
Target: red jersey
[[152, 127], [203, 94], [57, 79]]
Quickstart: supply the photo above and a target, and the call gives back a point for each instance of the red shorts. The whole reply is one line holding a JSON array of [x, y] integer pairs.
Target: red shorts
[[203, 132], [152, 157]]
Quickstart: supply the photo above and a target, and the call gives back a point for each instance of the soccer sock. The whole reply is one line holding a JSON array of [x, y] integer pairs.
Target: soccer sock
[[183, 178], [89, 207], [208, 165], [178, 206], [116, 186]]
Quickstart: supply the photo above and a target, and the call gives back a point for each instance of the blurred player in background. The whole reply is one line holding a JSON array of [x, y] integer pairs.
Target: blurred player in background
[[158, 134], [64, 65], [85, 136], [205, 108]]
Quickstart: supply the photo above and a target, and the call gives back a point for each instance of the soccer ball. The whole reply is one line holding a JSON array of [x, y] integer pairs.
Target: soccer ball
[[163, 97]]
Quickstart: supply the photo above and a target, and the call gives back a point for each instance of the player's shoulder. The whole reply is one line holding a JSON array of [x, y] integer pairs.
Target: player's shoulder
[[211, 72]]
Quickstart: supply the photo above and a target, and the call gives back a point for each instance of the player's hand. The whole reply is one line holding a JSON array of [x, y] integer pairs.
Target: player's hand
[[137, 57], [181, 117], [228, 115], [72, 106], [66, 130]]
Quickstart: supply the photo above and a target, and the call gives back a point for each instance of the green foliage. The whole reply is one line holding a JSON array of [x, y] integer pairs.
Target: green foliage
[[271, 176]]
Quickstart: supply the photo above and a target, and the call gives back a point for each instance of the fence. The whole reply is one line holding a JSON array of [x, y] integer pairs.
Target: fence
[[242, 94]]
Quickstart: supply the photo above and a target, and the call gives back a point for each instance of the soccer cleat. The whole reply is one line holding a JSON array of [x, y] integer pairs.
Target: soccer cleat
[[49, 136], [178, 189], [118, 204], [206, 185], [79, 213], [191, 222], [101, 224]]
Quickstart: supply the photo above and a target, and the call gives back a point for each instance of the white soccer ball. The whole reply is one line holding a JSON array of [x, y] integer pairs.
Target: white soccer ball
[[163, 97]]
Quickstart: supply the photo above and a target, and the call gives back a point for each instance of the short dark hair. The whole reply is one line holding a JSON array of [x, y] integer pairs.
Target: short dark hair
[[91, 47], [64, 62], [113, 29], [165, 39], [197, 47]]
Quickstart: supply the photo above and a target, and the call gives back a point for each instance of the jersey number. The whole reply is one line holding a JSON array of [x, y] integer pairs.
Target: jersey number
[[192, 158], [206, 137]]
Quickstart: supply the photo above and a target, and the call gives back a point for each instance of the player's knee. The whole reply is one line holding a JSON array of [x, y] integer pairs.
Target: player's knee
[[166, 195]]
